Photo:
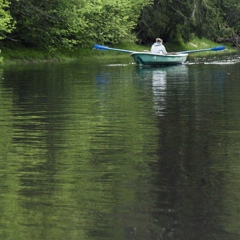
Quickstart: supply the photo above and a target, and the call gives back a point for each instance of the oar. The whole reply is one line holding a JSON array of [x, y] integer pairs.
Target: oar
[[218, 48], [100, 47]]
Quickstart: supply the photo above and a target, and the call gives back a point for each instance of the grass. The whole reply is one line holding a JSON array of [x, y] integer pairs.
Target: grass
[[23, 54], [15, 54], [203, 43]]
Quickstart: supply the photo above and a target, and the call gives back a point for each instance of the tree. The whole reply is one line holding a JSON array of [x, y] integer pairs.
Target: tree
[[6, 21], [41, 24], [231, 28], [111, 21], [64, 23], [51, 24], [167, 19], [177, 19]]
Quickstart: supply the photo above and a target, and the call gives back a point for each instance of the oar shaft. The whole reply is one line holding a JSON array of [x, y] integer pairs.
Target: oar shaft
[[218, 48], [199, 50], [121, 50], [100, 47]]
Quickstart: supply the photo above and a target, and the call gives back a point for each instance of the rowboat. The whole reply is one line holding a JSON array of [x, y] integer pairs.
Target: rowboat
[[152, 59]]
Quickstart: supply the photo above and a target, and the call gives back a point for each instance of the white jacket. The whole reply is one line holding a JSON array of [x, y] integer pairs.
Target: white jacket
[[158, 48]]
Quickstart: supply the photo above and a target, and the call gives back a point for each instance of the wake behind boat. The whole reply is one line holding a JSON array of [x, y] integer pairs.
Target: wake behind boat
[[153, 59]]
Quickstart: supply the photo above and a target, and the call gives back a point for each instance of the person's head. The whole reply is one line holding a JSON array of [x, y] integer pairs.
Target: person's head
[[158, 40]]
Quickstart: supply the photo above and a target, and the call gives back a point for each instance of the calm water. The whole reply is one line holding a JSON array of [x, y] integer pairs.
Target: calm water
[[100, 150]]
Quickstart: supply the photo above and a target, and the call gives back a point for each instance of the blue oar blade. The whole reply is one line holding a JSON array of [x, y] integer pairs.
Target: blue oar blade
[[218, 48], [100, 47]]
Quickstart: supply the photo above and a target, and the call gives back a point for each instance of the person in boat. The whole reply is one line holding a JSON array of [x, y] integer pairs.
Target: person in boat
[[158, 47]]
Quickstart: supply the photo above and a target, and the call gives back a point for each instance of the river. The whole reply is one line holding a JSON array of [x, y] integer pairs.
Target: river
[[104, 150]]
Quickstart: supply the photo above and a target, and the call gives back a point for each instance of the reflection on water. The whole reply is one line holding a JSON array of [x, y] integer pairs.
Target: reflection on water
[[110, 151], [163, 80]]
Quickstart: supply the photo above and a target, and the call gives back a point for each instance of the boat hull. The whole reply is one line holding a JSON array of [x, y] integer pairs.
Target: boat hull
[[146, 58]]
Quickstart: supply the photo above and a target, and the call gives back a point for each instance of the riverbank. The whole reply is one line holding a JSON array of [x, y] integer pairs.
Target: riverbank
[[16, 54]]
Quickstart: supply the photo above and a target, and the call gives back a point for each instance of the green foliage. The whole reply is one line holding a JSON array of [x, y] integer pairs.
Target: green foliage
[[231, 9], [66, 24], [6, 22], [177, 20], [106, 23], [61, 23], [1, 58], [41, 24]]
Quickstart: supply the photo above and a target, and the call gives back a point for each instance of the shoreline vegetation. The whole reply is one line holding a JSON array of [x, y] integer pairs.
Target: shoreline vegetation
[[19, 54], [64, 30]]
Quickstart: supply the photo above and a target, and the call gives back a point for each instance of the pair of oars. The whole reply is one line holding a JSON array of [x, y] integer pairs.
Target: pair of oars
[[100, 47]]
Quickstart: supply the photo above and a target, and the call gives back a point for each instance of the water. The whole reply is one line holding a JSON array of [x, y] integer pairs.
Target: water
[[105, 150]]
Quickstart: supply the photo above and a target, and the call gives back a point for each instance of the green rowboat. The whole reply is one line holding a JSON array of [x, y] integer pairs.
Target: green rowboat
[[152, 59]]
